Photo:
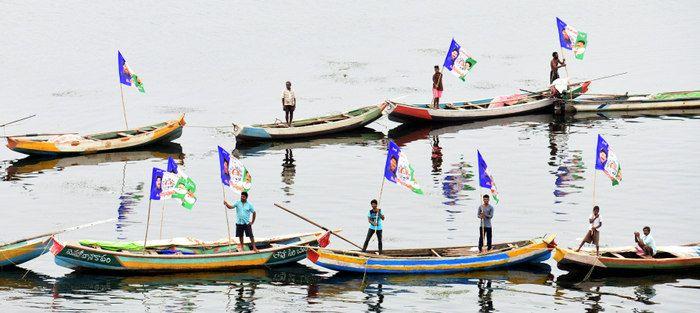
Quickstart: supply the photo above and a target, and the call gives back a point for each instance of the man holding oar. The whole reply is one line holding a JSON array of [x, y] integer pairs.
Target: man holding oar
[[243, 222]]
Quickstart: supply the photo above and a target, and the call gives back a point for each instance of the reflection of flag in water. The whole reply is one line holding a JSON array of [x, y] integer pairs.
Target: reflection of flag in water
[[172, 166], [607, 161], [458, 61], [399, 170], [485, 178], [126, 75]]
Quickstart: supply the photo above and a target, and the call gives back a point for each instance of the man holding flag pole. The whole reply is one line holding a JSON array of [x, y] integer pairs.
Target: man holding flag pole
[[485, 210]]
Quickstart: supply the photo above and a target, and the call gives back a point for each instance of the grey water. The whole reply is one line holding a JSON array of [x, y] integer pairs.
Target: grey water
[[226, 61]]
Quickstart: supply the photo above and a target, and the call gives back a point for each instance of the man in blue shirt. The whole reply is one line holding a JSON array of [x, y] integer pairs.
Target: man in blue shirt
[[375, 218], [243, 222]]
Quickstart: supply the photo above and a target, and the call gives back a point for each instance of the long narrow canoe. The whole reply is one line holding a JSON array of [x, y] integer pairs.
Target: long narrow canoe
[[434, 260], [23, 251], [182, 255], [463, 111], [659, 101], [625, 260], [310, 127], [70, 144]]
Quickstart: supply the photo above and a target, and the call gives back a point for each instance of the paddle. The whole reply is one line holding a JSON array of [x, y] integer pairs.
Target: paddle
[[36, 135], [59, 231], [19, 120], [317, 225]]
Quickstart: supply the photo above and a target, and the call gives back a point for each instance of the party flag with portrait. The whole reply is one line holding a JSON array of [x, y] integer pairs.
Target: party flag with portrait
[[458, 61], [485, 178], [127, 75], [398, 169], [606, 160], [233, 173], [572, 39]]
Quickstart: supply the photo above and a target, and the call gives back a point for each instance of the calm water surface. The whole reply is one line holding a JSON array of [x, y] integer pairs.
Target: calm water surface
[[224, 62]]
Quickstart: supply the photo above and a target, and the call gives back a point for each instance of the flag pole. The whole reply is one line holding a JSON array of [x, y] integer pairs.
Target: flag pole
[[595, 174], [228, 226], [148, 221], [162, 215], [121, 91], [566, 67]]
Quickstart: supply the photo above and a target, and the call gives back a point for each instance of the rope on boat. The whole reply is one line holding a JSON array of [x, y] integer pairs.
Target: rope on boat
[[585, 278]]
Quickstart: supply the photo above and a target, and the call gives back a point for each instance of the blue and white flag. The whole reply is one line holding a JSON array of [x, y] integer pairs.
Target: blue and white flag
[[224, 160], [398, 169], [126, 75], [485, 178], [607, 161], [458, 61]]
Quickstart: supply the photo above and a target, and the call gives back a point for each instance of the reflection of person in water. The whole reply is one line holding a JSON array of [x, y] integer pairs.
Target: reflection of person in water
[[485, 300], [288, 170], [436, 155]]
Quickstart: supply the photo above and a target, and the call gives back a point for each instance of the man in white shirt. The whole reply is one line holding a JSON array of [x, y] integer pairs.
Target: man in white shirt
[[593, 234], [645, 244], [289, 102]]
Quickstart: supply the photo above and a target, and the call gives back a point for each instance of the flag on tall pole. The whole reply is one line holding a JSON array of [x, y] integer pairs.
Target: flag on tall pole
[[606, 160], [485, 178], [572, 39], [399, 170], [233, 173], [126, 75], [166, 185]]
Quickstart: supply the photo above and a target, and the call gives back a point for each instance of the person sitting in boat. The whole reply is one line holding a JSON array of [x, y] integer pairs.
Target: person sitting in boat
[[554, 66], [593, 234], [289, 103], [645, 244], [485, 213], [375, 218], [243, 222], [437, 87]]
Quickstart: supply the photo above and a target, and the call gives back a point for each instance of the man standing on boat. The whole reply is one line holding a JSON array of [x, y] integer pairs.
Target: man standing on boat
[[437, 87], [554, 65], [485, 213], [289, 102], [593, 234], [244, 225], [375, 218]]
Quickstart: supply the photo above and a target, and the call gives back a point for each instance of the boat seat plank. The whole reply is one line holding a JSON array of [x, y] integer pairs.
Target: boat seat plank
[[618, 255], [436, 254], [124, 134]]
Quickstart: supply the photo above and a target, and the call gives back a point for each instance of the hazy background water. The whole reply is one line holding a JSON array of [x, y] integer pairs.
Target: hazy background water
[[222, 62]]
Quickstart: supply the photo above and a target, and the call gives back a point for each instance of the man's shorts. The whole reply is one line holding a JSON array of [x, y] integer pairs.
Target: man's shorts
[[437, 93], [244, 228], [289, 108]]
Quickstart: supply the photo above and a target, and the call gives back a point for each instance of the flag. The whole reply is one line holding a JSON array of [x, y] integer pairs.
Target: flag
[[580, 45], [240, 178], [324, 240], [458, 61], [124, 71], [485, 178], [156, 183], [224, 159], [172, 166], [606, 160], [184, 190], [567, 34], [398, 169], [126, 75]]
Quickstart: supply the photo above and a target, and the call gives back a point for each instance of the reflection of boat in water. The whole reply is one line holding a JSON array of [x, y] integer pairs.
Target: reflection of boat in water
[[575, 280], [20, 278], [33, 164], [582, 116], [362, 136], [406, 133]]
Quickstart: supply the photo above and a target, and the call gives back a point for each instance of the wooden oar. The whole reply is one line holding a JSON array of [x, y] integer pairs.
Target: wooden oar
[[19, 120], [317, 225], [59, 231], [36, 135]]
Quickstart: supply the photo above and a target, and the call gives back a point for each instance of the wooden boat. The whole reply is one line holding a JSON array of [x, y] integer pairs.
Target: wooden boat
[[464, 111], [70, 144], [434, 260], [184, 255], [625, 260], [310, 127], [625, 102], [18, 252]]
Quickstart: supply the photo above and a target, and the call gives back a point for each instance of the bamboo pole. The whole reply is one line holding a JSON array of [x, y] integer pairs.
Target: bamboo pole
[[595, 174], [148, 222], [18, 120], [121, 91], [228, 225], [566, 67], [317, 225], [162, 215]]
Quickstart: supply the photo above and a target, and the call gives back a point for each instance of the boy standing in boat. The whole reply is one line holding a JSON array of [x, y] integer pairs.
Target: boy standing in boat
[[437, 87], [244, 225], [645, 244], [375, 218], [593, 234], [485, 213], [554, 66], [289, 102]]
